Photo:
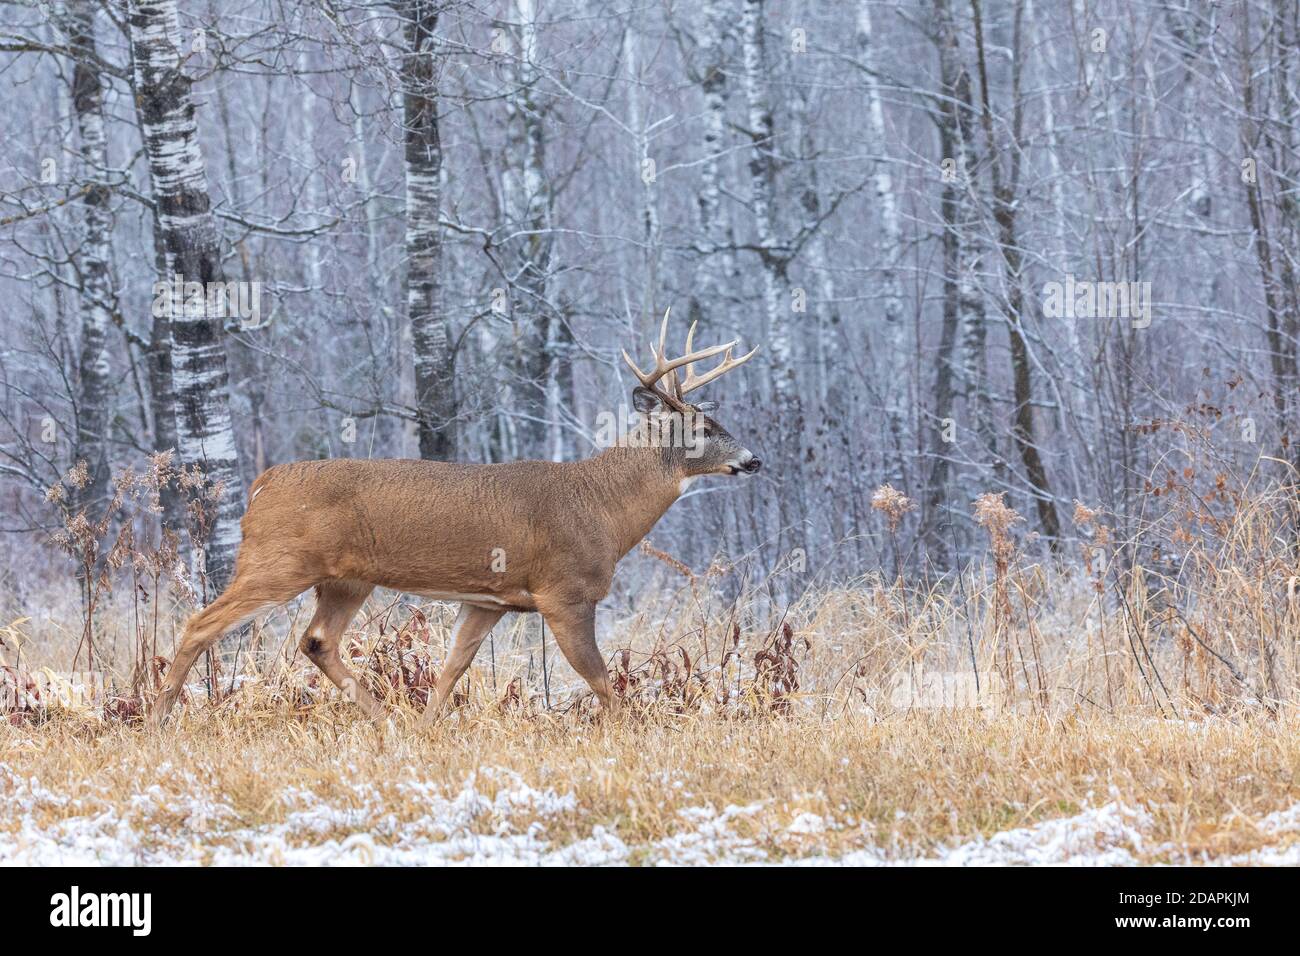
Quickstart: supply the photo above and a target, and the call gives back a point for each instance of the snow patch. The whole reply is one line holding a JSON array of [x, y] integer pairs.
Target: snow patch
[[495, 818], [1109, 835]]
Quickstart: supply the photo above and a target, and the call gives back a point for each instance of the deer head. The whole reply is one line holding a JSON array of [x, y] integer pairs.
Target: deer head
[[704, 446]]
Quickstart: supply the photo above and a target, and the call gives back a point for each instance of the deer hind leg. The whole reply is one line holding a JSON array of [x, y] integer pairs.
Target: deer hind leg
[[237, 604], [337, 602], [472, 625], [574, 626]]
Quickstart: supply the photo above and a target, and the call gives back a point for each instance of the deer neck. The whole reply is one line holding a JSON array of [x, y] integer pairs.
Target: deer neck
[[635, 486]]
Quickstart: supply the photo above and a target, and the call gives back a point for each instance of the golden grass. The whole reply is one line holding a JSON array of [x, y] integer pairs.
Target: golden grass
[[900, 786], [1148, 705], [1069, 724]]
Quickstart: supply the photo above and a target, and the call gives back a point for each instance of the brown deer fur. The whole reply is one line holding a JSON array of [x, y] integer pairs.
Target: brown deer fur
[[525, 536]]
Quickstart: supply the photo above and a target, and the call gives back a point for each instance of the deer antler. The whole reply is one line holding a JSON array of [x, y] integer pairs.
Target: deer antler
[[666, 369], [693, 381]]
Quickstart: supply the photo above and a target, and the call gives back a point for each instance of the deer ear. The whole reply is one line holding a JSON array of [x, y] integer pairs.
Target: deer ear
[[706, 407], [645, 400]]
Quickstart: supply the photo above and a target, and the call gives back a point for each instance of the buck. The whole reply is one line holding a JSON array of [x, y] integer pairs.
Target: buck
[[530, 536]]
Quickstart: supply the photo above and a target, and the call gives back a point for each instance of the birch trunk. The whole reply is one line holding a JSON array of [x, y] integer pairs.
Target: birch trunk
[[791, 501], [943, 416], [1285, 27], [719, 266], [430, 335], [817, 460], [762, 176], [204, 432], [883, 181], [826, 313], [95, 369], [648, 213], [162, 396], [974, 331], [527, 203], [307, 154], [894, 385], [953, 121]]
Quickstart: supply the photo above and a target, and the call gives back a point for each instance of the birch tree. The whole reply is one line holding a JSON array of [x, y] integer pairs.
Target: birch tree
[[92, 262], [191, 245], [429, 324], [527, 207], [762, 182], [890, 246], [952, 116], [719, 264], [1269, 148], [614, 160]]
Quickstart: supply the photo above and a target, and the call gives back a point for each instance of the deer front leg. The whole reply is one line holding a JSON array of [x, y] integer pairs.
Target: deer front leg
[[574, 626], [472, 625], [337, 602]]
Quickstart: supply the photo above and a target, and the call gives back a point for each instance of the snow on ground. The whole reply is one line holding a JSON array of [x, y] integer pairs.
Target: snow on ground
[[1281, 823], [495, 818], [1109, 835]]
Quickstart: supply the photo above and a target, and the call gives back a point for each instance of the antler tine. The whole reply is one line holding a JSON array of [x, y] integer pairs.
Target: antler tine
[[690, 339], [646, 380], [694, 381], [665, 370], [663, 334]]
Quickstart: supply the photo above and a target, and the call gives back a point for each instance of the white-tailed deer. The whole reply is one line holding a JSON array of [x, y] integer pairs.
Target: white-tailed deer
[[525, 536]]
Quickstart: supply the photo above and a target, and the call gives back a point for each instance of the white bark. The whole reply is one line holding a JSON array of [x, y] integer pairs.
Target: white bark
[[526, 198], [776, 292], [95, 367], [434, 381], [205, 434], [649, 204], [307, 158], [965, 225], [821, 300], [719, 267], [894, 384], [883, 181]]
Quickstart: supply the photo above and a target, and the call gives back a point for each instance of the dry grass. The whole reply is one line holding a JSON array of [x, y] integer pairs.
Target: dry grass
[[1135, 703], [804, 727], [899, 787]]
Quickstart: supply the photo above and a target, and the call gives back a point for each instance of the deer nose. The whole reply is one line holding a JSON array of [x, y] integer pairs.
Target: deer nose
[[752, 466]]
